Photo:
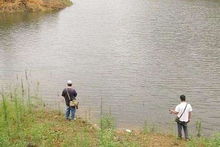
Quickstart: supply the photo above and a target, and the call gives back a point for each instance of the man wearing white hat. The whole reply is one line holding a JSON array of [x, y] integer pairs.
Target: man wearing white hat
[[69, 94]]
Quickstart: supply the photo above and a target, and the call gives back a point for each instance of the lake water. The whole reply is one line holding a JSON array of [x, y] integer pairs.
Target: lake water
[[138, 56]]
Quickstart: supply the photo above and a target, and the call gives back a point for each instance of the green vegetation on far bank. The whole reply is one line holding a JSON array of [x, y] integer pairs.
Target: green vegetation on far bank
[[12, 6]]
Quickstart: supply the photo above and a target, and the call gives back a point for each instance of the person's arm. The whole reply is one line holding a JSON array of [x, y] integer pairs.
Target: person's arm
[[173, 112], [176, 111], [190, 115], [63, 93], [75, 93]]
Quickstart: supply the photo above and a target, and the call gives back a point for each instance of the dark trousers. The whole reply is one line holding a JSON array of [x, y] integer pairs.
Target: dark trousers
[[180, 126]]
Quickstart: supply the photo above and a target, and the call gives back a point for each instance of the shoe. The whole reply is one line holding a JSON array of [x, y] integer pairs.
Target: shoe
[[73, 119]]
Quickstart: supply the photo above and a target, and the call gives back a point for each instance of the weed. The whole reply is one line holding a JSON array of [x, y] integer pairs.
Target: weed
[[107, 122], [148, 128], [198, 128]]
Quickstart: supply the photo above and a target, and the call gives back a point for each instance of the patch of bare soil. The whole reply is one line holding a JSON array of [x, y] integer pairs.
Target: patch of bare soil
[[69, 128]]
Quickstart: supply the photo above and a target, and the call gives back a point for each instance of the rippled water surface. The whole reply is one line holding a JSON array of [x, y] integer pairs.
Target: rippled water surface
[[137, 55]]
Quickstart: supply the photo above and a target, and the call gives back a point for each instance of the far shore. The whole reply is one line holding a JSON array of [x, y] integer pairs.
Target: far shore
[[13, 6]]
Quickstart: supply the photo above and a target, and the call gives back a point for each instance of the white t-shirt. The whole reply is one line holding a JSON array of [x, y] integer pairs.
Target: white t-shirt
[[180, 108]]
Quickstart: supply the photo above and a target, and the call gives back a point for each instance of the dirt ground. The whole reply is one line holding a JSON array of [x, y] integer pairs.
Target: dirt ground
[[143, 139]]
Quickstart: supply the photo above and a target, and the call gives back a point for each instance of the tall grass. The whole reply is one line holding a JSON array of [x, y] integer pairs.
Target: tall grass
[[198, 128], [12, 116], [15, 107], [4, 106], [107, 132], [205, 142], [149, 128]]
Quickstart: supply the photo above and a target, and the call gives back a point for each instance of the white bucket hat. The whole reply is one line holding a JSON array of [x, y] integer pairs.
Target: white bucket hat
[[69, 82]]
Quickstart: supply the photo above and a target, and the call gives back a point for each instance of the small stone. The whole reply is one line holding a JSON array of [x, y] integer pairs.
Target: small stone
[[127, 130]]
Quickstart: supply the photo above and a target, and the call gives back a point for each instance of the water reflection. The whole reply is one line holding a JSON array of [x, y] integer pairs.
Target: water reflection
[[8, 20]]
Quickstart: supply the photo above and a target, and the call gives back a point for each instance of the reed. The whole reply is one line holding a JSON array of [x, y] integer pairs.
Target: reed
[[149, 128], [107, 122], [17, 108], [101, 111], [198, 128], [4, 106], [13, 112], [107, 132], [107, 126], [28, 91], [213, 141]]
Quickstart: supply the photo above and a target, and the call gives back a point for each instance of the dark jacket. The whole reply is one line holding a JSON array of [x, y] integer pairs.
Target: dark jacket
[[72, 95]]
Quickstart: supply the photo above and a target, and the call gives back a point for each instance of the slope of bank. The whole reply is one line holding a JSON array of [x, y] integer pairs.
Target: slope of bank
[[11, 6], [49, 128]]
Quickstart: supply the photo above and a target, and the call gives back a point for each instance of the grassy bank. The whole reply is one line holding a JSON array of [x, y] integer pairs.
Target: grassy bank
[[11, 6], [49, 128], [24, 121]]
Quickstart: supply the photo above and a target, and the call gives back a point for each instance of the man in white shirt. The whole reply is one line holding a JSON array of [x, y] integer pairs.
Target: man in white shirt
[[184, 113]]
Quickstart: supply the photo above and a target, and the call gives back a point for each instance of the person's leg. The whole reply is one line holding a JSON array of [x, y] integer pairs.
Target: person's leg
[[185, 130], [179, 127], [67, 112], [73, 111]]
